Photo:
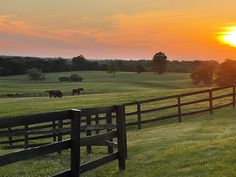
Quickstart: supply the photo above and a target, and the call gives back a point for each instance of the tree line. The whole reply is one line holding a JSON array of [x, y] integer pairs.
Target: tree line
[[222, 74], [16, 65], [21, 65]]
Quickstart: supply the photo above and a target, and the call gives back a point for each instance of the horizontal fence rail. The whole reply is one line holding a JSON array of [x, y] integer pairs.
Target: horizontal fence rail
[[55, 130], [47, 133], [77, 124], [176, 102]]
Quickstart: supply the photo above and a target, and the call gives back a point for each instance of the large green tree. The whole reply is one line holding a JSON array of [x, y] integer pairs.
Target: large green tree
[[80, 63], [159, 62], [204, 74], [226, 73]]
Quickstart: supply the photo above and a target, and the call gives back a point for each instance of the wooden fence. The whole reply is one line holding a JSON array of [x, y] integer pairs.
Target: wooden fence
[[177, 102], [80, 121], [57, 129], [42, 134], [21, 95]]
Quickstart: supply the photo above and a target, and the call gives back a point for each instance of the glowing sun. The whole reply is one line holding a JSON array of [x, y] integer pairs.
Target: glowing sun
[[228, 36]]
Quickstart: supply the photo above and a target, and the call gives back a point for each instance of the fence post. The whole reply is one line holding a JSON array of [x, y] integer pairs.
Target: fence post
[[234, 95], [179, 109], [210, 101], [59, 132], [109, 121], [121, 136], [139, 115], [75, 142], [97, 123], [88, 133], [10, 136], [26, 136], [54, 131]]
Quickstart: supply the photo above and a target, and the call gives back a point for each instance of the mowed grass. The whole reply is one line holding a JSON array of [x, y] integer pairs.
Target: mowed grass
[[100, 90], [97, 82], [201, 146]]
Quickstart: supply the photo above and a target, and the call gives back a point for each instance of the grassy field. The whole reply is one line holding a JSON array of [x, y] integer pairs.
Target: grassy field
[[201, 146], [100, 89], [97, 82]]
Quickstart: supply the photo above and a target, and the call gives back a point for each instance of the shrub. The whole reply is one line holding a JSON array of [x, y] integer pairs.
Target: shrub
[[73, 77], [35, 74], [64, 78], [76, 77]]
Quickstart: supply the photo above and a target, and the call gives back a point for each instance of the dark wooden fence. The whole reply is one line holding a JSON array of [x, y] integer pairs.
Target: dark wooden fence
[[139, 114], [42, 134], [177, 102], [81, 122], [21, 95]]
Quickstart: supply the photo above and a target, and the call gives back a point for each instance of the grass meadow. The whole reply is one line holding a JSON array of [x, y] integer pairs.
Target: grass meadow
[[202, 145], [100, 89]]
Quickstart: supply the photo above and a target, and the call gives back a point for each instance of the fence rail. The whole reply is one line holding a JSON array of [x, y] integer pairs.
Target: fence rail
[[179, 104], [113, 130], [32, 130], [97, 125]]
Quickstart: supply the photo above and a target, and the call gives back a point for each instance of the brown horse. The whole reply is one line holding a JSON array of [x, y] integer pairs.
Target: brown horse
[[55, 93], [77, 91]]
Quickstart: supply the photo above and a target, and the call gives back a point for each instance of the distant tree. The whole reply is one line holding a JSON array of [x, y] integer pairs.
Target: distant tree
[[35, 74], [112, 68], [204, 74], [140, 68], [159, 62], [226, 73], [80, 63]]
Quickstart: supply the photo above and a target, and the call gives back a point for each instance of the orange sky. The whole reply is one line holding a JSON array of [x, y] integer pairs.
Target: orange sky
[[124, 29]]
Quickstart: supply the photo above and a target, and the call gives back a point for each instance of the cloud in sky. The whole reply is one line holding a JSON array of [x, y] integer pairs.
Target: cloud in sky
[[117, 29]]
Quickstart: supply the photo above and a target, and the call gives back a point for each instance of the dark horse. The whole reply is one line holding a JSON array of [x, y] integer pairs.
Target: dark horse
[[77, 91], [55, 93]]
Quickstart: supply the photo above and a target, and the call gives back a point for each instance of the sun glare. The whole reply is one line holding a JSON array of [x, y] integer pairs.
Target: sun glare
[[228, 36]]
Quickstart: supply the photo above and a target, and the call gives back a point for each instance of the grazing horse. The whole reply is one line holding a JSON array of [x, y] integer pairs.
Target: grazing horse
[[55, 93], [77, 91]]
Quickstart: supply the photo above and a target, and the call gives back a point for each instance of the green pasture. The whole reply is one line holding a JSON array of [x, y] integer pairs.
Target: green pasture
[[97, 82], [202, 145], [100, 90]]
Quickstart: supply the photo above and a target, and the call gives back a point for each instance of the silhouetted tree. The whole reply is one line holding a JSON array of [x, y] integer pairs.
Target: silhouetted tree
[[80, 63], [226, 73], [159, 62], [204, 74]]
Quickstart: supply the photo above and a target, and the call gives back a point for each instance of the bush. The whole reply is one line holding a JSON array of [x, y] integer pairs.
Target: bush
[[73, 77], [35, 74], [76, 77], [64, 78]]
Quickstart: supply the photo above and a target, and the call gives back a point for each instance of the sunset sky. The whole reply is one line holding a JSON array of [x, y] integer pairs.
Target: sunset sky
[[124, 29]]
